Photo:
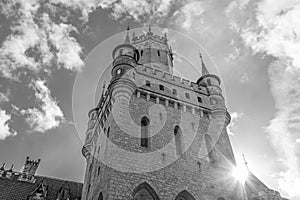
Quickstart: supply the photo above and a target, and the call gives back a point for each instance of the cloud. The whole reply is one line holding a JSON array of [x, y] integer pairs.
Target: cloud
[[4, 97], [234, 118], [4, 129], [189, 12], [272, 28], [37, 41], [49, 115]]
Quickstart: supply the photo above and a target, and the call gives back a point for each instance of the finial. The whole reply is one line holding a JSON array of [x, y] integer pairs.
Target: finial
[[127, 40], [246, 163], [204, 69]]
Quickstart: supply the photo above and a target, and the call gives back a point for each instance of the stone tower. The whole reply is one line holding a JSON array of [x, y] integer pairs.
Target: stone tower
[[156, 136]]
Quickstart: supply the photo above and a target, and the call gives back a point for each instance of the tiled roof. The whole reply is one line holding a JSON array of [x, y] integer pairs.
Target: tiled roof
[[13, 189]]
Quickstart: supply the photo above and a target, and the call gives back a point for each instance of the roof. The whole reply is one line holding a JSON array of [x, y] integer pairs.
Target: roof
[[14, 189]]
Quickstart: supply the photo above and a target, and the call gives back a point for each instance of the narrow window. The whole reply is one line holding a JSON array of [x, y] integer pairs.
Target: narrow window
[[205, 114], [178, 140], [133, 75], [100, 196], [148, 83], [161, 87], [144, 131], [199, 99], [158, 52], [107, 133], [187, 95], [153, 98], [179, 106], [142, 52], [143, 95], [171, 104], [208, 82], [174, 91], [162, 101], [98, 170]]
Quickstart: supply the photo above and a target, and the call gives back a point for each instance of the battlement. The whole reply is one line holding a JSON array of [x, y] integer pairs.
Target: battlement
[[150, 35], [32, 162], [175, 80]]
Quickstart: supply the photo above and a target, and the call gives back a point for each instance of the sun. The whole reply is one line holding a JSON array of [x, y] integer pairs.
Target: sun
[[240, 173]]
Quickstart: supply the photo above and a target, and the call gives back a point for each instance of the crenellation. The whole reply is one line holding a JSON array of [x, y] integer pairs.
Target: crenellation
[[185, 82], [177, 80]]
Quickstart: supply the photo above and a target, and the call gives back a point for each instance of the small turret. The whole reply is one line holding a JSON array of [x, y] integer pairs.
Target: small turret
[[126, 57], [30, 167]]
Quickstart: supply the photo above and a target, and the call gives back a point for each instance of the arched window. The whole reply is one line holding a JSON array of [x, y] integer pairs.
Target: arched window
[[144, 192], [144, 131], [178, 140], [100, 196], [210, 148], [184, 195]]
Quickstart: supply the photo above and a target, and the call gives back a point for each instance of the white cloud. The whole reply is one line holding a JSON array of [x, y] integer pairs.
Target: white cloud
[[274, 30], [4, 97], [189, 12], [33, 35], [4, 129], [234, 118], [49, 115]]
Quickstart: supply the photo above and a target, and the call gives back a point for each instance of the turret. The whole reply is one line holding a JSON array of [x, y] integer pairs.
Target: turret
[[154, 51], [30, 167], [123, 72], [220, 116], [212, 83]]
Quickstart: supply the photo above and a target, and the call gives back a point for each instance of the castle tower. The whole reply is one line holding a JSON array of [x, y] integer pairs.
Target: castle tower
[[156, 136]]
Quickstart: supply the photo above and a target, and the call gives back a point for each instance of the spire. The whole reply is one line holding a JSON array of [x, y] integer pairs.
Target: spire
[[204, 69], [127, 40]]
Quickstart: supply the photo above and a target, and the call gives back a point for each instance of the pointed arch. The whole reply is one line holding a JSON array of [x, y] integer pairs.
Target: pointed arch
[[178, 140], [100, 196], [184, 195], [144, 131], [210, 149], [144, 192]]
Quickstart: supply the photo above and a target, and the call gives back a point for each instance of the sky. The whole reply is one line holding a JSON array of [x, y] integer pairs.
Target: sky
[[255, 44]]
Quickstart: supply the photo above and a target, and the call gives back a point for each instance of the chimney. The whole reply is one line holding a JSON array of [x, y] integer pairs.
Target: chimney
[[30, 166]]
